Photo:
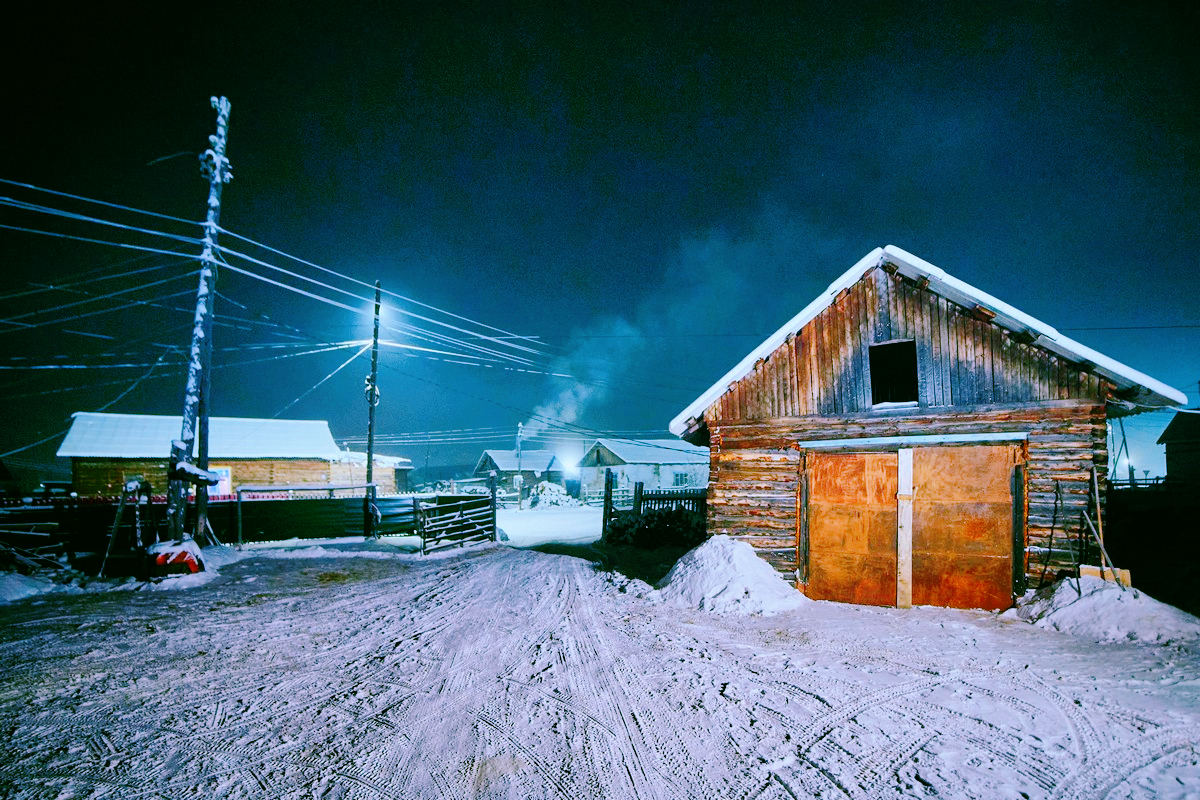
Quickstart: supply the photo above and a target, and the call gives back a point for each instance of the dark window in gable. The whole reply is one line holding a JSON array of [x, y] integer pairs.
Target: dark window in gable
[[894, 372]]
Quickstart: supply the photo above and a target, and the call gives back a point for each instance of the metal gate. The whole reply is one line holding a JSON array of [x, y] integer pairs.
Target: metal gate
[[921, 525]]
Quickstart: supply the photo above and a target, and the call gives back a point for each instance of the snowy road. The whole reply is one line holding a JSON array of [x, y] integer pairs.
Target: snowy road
[[510, 673]]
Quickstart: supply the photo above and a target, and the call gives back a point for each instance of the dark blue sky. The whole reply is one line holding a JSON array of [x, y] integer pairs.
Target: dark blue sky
[[650, 191]]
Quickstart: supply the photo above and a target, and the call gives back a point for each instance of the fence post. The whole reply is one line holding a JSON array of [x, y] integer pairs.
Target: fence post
[[417, 524], [608, 500], [492, 489], [637, 499], [239, 517]]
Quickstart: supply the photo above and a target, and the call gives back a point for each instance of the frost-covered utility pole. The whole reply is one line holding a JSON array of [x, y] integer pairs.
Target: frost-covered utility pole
[[519, 479], [181, 471], [372, 402]]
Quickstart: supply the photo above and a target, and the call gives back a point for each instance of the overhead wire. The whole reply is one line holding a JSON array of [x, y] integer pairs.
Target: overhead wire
[[71, 215], [118, 206], [152, 303], [137, 382], [473, 352], [71, 285], [315, 386], [89, 240], [97, 298], [365, 300], [365, 284]]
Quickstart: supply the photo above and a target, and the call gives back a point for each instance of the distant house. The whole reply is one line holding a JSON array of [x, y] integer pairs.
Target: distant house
[[902, 439], [107, 450], [1181, 439], [655, 463], [390, 473], [534, 466]]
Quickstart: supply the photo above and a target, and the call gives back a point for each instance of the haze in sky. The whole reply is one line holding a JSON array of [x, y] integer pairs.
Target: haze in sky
[[579, 216]]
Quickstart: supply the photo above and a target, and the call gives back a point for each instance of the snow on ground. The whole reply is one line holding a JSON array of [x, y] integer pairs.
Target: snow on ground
[[493, 671], [725, 576], [1107, 612], [15, 587], [550, 524]]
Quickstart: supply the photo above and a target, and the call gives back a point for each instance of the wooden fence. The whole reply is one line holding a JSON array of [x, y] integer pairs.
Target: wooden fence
[[621, 498], [642, 502], [455, 521], [441, 521]]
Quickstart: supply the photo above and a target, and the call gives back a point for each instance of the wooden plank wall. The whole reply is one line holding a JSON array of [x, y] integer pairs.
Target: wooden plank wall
[[754, 471], [961, 360], [105, 477]]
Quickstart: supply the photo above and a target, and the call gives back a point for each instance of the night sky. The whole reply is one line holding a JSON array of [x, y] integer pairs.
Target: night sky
[[642, 193]]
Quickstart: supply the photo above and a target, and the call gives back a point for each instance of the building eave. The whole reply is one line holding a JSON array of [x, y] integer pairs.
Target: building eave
[[1136, 391]]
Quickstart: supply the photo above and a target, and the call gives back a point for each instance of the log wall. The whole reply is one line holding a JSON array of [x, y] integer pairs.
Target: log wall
[[755, 465], [972, 377], [105, 477]]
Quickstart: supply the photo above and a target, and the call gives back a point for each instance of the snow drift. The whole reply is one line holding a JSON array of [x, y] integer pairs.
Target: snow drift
[[1105, 612], [726, 576]]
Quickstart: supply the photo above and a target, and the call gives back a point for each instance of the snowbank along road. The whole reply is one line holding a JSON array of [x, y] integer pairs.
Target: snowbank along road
[[503, 673]]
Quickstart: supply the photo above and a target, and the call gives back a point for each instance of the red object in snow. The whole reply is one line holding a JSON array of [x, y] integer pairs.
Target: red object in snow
[[176, 560]]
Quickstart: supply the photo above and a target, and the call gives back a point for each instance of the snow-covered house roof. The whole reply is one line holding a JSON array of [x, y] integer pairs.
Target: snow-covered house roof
[[97, 435], [356, 457], [647, 451], [1141, 390], [529, 461]]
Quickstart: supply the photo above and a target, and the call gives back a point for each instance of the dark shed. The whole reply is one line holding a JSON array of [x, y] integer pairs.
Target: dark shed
[[1182, 442], [904, 438]]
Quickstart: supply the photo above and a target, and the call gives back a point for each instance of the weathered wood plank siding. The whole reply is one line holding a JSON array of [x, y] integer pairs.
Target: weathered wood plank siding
[[973, 377], [754, 471], [961, 360], [105, 477]]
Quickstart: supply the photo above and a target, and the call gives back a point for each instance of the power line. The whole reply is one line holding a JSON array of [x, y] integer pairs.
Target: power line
[[89, 240], [363, 311], [314, 387], [40, 288], [54, 212], [395, 295], [152, 303], [93, 299], [102, 203], [1190, 326]]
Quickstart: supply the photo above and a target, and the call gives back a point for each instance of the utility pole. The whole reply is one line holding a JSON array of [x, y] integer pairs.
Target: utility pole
[[215, 167], [372, 401], [520, 479]]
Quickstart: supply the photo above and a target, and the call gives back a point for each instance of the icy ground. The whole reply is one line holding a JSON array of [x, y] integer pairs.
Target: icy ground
[[355, 671]]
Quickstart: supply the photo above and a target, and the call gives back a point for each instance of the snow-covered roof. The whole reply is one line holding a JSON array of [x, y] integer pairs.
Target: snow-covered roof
[[356, 457], [96, 435], [648, 451], [1145, 390], [530, 461]]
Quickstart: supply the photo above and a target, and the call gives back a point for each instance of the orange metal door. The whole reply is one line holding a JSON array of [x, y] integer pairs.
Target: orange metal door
[[852, 527], [962, 547]]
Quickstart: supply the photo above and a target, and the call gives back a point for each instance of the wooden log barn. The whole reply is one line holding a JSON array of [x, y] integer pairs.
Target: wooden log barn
[[908, 439]]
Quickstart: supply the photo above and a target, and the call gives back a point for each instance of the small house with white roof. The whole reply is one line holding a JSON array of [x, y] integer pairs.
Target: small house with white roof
[[908, 439], [107, 450], [655, 463], [533, 466]]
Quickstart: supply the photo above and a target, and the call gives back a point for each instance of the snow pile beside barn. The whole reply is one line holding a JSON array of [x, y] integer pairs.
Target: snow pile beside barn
[[725, 576], [1105, 612]]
